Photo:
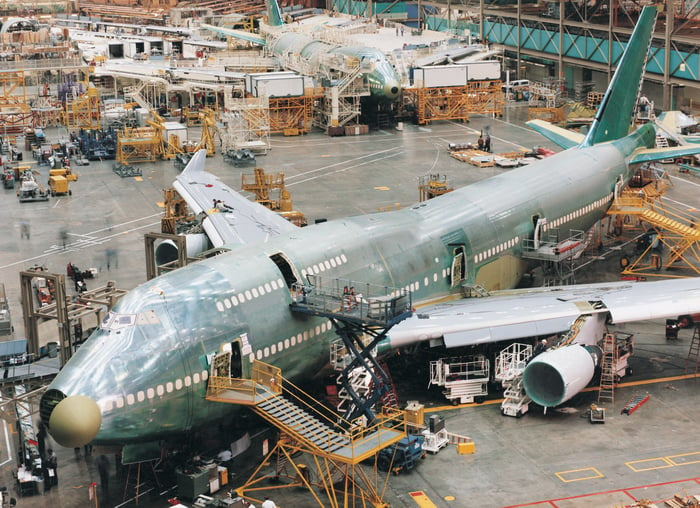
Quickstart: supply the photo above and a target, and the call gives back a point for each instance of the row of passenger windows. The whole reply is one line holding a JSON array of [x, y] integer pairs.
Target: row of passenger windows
[[290, 342], [578, 213], [478, 258], [151, 393], [325, 265], [249, 294]]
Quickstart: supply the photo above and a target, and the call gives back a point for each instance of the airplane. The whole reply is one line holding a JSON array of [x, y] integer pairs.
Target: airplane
[[141, 376], [383, 81]]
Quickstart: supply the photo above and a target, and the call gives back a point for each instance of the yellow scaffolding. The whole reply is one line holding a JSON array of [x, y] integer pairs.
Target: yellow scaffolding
[[141, 144], [455, 102], [291, 115], [83, 111], [334, 454], [15, 112], [640, 208]]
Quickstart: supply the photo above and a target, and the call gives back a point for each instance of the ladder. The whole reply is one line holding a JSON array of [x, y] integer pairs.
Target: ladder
[[694, 352], [606, 393], [634, 403], [390, 399], [661, 141]]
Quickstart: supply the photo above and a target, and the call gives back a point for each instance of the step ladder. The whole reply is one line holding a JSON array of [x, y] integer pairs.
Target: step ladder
[[634, 403], [661, 141], [510, 364], [606, 392], [693, 352]]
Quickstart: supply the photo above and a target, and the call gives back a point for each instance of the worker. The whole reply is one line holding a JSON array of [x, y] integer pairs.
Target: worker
[[268, 503], [540, 348], [52, 468], [487, 143], [103, 470], [480, 141], [643, 104]]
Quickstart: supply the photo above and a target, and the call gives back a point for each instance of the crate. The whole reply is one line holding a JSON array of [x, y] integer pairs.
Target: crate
[[466, 448]]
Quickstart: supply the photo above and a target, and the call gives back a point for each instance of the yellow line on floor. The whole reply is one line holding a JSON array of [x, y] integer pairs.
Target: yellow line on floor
[[589, 389]]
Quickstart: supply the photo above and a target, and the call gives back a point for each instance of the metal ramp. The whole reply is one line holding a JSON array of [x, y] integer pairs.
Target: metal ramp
[[510, 364], [307, 428]]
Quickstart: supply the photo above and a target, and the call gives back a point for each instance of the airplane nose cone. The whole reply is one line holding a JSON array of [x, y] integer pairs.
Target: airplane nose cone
[[75, 421], [392, 89]]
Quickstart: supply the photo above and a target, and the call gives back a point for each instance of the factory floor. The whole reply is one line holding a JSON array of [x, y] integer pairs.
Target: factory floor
[[554, 459]]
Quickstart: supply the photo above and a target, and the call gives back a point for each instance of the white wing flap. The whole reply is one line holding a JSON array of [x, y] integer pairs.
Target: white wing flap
[[241, 221], [526, 313]]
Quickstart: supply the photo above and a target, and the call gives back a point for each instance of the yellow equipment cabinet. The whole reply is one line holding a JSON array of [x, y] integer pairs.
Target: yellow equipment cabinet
[[58, 182]]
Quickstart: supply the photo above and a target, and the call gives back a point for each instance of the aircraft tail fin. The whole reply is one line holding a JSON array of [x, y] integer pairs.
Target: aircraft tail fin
[[614, 116], [274, 13]]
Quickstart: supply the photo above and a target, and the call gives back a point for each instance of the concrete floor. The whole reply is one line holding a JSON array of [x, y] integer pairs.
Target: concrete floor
[[529, 460]]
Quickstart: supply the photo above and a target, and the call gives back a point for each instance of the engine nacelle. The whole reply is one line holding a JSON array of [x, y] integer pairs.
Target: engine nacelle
[[167, 252], [553, 377]]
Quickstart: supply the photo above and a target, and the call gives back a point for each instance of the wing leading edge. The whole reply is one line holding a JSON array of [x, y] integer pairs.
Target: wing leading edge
[[236, 220], [526, 313]]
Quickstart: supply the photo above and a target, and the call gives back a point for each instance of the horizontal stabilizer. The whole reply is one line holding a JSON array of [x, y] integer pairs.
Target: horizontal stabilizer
[[562, 137], [236, 34], [657, 154], [525, 313]]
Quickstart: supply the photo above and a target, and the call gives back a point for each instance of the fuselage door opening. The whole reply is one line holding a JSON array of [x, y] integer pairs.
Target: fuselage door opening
[[229, 361], [289, 271], [459, 266], [538, 223]]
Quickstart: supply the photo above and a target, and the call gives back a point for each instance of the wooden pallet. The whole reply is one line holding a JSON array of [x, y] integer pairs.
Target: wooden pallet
[[476, 158]]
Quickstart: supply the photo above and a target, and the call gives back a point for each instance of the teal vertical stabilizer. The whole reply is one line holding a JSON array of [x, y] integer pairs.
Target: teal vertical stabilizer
[[614, 116], [274, 13]]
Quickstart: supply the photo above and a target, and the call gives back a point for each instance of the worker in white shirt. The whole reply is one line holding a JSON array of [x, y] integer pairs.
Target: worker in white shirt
[[269, 503]]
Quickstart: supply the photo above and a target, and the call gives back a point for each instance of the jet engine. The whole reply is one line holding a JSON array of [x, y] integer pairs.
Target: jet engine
[[555, 376], [166, 251]]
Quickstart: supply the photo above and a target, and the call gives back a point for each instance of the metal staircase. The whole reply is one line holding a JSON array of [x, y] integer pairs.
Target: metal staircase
[[306, 427], [606, 393], [510, 364], [675, 229]]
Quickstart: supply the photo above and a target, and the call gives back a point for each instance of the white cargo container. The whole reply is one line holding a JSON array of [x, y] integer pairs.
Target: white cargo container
[[440, 76], [281, 86], [249, 78], [175, 129], [484, 70]]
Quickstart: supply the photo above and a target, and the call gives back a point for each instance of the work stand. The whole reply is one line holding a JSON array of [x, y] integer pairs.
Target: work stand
[[362, 314]]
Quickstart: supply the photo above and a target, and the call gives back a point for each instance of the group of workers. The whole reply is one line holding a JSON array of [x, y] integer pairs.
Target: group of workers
[[484, 143]]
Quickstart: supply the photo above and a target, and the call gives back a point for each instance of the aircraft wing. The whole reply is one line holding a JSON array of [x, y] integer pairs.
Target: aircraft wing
[[544, 311], [237, 34], [562, 137], [671, 152], [238, 220]]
